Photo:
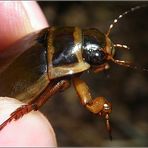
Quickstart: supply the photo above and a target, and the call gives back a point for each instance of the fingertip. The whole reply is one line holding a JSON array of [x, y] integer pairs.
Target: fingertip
[[33, 129]]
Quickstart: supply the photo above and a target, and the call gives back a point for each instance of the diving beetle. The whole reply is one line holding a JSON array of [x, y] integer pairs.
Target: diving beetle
[[49, 59]]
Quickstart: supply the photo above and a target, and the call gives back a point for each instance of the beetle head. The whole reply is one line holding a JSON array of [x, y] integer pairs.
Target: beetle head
[[98, 50]]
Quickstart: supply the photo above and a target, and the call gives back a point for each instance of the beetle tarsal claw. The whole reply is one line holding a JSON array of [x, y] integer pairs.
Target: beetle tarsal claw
[[108, 126]]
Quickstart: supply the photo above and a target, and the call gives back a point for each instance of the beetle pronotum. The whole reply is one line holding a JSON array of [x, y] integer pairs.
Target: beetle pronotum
[[49, 59]]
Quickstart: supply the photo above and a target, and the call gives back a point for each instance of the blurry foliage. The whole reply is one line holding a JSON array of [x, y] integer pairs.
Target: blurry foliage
[[126, 88]]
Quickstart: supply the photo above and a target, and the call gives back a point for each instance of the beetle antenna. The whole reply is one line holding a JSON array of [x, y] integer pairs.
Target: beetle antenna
[[121, 46], [121, 16], [127, 64]]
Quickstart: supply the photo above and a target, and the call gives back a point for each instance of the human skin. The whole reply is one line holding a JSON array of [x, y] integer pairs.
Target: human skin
[[18, 18]]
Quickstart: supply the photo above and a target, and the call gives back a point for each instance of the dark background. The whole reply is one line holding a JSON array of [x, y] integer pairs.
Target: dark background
[[126, 88]]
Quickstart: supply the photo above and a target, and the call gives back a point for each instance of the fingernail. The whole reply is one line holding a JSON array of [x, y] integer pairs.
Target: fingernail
[[18, 18], [35, 15]]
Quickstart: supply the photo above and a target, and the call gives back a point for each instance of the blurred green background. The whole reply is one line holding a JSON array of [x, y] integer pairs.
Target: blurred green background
[[126, 88]]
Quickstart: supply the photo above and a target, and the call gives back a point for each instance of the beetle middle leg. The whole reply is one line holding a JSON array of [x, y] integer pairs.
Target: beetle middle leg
[[99, 105], [53, 87]]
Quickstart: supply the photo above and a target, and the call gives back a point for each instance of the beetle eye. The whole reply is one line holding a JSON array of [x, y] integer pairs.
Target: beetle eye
[[95, 57], [112, 50], [102, 55], [99, 57]]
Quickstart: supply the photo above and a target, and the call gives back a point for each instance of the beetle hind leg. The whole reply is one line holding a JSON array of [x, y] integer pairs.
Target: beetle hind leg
[[50, 90], [18, 113], [24, 109]]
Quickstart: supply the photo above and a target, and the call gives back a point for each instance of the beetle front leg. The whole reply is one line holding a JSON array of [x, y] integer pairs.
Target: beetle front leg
[[98, 105], [100, 68]]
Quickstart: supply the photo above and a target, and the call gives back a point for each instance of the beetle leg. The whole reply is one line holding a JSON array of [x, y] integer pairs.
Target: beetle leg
[[102, 67], [51, 89], [98, 105]]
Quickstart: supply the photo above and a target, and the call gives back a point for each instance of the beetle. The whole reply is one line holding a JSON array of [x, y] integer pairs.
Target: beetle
[[50, 59]]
